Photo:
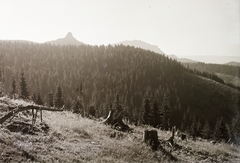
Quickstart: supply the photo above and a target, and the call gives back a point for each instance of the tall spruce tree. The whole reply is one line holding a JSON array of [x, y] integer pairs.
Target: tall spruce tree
[[117, 108], [206, 131], [24, 94], [50, 99], [58, 102], [145, 116], [39, 99], [14, 87], [193, 127], [34, 97], [235, 128], [166, 113], [221, 131], [156, 113]]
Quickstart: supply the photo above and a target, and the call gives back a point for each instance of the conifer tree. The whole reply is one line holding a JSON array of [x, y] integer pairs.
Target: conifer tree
[[221, 131], [23, 86], [235, 128], [199, 128], [117, 108], [34, 97], [166, 113], [50, 99], [193, 127], [39, 99], [58, 102], [206, 131], [117, 104], [145, 111], [156, 113], [14, 87]]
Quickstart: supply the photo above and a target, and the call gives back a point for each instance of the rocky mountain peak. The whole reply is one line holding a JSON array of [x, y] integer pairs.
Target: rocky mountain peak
[[69, 35]]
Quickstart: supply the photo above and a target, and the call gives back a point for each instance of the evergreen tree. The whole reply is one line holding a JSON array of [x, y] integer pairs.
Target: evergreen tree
[[14, 87], [166, 113], [39, 99], [34, 97], [58, 102], [145, 111], [235, 129], [193, 128], [221, 131], [199, 129], [50, 99], [156, 113], [117, 104], [206, 131], [24, 94], [117, 108]]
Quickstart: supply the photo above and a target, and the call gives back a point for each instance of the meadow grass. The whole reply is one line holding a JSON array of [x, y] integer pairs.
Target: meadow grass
[[72, 138]]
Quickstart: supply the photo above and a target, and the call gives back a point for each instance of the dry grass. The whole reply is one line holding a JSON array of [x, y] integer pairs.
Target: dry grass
[[71, 138]]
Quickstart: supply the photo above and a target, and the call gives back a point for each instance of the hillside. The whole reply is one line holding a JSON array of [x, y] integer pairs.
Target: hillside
[[233, 64], [134, 73], [230, 73], [68, 137]]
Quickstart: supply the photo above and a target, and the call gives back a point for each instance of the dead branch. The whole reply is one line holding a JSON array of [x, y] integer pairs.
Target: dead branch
[[23, 108]]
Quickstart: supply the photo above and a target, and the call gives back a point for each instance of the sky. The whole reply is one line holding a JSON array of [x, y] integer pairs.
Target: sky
[[180, 27]]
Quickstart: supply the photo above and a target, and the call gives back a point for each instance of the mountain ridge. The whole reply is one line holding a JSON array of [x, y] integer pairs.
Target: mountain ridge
[[183, 60], [233, 63], [69, 39], [141, 44]]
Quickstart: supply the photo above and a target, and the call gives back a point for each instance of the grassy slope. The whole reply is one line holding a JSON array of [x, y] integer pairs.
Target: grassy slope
[[72, 138]]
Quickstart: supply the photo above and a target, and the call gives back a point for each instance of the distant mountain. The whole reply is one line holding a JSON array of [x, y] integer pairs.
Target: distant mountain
[[215, 59], [183, 60], [233, 63], [143, 45], [68, 40]]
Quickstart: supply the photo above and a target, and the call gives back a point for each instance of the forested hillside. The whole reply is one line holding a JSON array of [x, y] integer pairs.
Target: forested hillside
[[229, 73], [104, 71]]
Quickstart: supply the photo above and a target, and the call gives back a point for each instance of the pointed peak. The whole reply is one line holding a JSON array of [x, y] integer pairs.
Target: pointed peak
[[69, 35]]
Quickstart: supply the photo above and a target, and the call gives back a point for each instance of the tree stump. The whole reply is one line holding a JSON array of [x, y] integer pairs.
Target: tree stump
[[183, 136], [151, 138]]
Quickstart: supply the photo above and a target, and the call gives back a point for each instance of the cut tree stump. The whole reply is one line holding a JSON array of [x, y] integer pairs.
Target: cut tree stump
[[116, 121], [151, 138]]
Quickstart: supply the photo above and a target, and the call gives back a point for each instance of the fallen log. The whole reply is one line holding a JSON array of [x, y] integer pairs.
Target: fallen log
[[28, 107]]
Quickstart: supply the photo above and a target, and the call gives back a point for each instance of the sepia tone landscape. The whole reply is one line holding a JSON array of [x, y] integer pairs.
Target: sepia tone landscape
[[129, 81], [196, 103]]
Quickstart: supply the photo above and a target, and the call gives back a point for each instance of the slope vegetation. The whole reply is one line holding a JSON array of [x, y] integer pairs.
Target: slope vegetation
[[230, 73], [102, 71], [68, 137]]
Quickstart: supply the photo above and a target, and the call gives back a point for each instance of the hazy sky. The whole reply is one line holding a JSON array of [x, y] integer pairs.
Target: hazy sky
[[180, 27]]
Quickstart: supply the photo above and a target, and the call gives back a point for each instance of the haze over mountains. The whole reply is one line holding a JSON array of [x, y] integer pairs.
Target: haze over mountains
[[70, 40]]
